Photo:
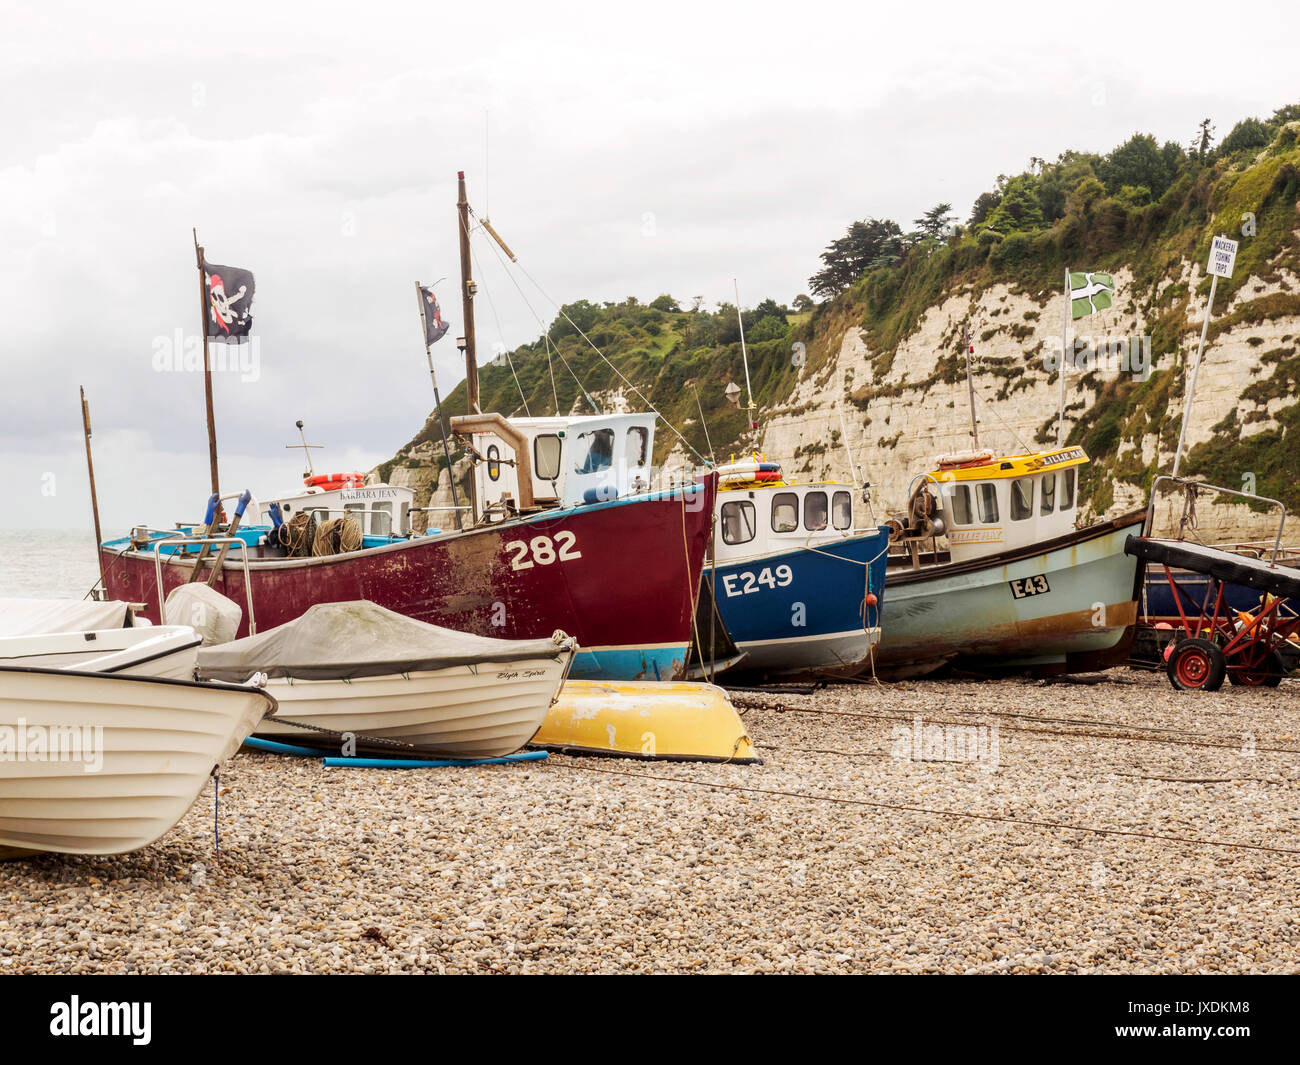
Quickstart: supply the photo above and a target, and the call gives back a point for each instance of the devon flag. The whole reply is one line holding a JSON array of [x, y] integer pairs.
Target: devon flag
[[1090, 293]]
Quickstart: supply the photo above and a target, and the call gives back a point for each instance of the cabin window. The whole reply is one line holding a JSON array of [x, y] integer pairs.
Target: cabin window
[[1067, 489], [1047, 500], [381, 519], [1022, 498], [637, 446], [738, 525], [595, 451], [987, 496], [842, 510], [785, 512], [404, 520], [959, 496], [546, 456], [814, 511], [494, 462]]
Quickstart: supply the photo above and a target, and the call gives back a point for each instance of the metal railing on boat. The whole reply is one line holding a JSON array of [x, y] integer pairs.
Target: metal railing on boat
[[1188, 503], [184, 540]]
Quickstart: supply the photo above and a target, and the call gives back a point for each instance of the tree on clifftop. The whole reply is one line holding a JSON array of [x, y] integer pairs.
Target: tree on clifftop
[[936, 222], [873, 242]]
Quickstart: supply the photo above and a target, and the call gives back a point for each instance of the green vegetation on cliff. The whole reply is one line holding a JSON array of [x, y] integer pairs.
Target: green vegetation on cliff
[[1145, 208]]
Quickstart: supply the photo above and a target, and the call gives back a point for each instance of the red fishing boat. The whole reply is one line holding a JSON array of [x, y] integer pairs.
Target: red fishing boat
[[618, 568], [621, 576]]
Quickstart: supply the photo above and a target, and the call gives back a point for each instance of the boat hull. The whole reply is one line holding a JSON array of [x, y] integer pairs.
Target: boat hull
[[1068, 605], [620, 576], [485, 712], [669, 721], [804, 611], [159, 742], [150, 651]]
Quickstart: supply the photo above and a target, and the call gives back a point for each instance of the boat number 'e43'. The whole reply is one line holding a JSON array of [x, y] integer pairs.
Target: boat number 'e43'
[[1027, 586], [542, 550], [746, 582]]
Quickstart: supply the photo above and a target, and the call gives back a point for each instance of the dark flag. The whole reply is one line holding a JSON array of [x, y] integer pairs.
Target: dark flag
[[230, 301], [434, 327]]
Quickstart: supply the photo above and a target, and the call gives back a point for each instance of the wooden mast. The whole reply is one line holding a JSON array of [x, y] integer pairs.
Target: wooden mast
[[90, 469], [467, 290], [207, 365]]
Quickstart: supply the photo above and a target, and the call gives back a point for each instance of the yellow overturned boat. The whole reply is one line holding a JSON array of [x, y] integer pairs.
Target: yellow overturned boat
[[677, 721]]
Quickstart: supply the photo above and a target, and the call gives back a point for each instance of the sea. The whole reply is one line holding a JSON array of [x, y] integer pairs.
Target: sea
[[47, 563]]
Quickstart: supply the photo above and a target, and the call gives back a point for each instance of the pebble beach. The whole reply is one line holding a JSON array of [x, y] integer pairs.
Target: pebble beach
[[1102, 824]]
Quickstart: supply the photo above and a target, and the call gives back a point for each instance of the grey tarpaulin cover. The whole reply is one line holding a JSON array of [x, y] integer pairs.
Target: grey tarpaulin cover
[[333, 641]]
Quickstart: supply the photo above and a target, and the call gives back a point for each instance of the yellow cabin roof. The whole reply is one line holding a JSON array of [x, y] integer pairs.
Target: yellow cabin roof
[[1010, 466]]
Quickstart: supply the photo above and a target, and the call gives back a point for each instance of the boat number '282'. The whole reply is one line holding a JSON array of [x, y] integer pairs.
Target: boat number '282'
[[746, 582], [1027, 586], [542, 550]]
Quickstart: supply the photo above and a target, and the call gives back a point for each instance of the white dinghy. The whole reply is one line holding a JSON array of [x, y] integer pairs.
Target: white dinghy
[[361, 669], [95, 763], [149, 651]]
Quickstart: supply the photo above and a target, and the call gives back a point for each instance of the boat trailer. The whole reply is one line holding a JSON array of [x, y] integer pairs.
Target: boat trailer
[[1212, 641]]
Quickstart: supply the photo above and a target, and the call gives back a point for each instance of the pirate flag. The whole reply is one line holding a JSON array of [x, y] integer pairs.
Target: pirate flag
[[230, 301], [434, 327]]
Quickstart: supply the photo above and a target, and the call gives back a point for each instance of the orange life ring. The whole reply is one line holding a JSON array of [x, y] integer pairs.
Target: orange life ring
[[331, 481]]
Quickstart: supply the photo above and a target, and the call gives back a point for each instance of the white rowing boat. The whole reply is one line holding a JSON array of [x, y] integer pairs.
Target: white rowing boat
[[94, 763], [356, 672]]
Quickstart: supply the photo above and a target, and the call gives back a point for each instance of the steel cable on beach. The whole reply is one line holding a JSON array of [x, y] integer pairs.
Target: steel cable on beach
[[931, 811]]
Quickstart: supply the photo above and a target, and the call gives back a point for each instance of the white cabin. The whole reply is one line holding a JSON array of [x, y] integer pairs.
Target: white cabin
[[992, 504], [380, 509], [755, 520], [586, 459]]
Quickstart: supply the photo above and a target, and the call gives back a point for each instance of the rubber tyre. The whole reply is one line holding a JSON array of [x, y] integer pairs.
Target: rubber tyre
[[1196, 664], [1268, 674]]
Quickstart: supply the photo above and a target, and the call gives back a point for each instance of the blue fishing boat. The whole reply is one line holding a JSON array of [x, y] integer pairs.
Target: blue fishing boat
[[798, 586]]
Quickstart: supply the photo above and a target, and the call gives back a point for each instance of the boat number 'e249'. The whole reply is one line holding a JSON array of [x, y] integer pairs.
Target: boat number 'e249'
[[783, 577], [543, 550]]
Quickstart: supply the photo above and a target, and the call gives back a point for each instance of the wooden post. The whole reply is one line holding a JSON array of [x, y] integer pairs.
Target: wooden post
[[467, 290], [207, 365], [94, 500]]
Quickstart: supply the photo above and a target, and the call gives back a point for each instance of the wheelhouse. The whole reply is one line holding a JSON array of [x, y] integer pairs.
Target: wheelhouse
[[572, 461], [991, 504], [757, 518]]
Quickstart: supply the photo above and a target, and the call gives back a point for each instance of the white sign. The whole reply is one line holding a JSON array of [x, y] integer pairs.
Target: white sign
[[1223, 254]]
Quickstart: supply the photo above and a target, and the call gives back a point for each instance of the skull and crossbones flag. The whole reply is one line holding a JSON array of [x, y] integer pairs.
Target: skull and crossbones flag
[[230, 301], [434, 327]]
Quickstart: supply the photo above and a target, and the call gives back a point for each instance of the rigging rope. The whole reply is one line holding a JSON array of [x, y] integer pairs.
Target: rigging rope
[[501, 339], [649, 406]]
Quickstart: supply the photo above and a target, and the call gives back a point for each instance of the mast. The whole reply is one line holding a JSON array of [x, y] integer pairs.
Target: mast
[[744, 355], [90, 469], [467, 290], [970, 388], [207, 365]]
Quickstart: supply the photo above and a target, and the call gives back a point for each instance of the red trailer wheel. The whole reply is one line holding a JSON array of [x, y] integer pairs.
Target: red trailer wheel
[[1267, 673], [1196, 664]]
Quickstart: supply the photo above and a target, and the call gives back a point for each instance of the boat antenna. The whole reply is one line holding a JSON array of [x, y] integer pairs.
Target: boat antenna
[[306, 449], [744, 355], [969, 349], [844, 432]]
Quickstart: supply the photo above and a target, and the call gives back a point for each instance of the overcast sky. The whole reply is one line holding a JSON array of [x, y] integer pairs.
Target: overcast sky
[[620, 150]]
